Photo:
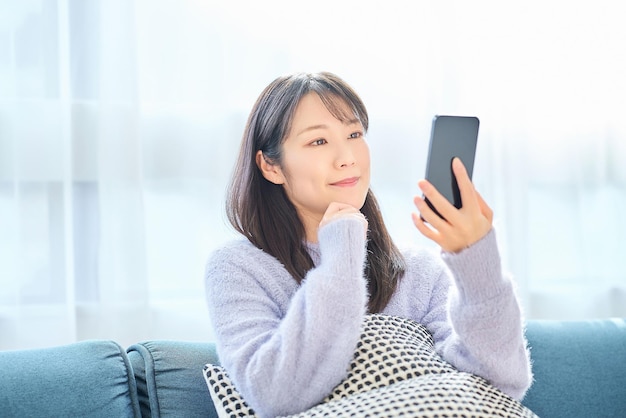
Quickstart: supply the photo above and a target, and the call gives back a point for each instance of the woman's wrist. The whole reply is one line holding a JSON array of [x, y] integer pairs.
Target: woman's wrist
[[477, 269], [343, 241]]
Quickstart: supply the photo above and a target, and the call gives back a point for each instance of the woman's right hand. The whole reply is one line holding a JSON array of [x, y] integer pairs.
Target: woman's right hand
[[338, 210]]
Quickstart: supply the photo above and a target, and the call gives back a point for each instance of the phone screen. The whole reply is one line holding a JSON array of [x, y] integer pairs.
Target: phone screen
[[451, 136]]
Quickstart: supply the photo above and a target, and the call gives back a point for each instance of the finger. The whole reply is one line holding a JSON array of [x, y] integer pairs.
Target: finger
[[338, 206], [484, 207], [443, 206], [331, 211], [425, 230], [466, 187], [428, 215], [337, 210]]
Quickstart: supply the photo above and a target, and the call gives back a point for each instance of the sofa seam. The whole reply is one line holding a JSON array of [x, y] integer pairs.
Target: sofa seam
[[132, 382], [150, 368]]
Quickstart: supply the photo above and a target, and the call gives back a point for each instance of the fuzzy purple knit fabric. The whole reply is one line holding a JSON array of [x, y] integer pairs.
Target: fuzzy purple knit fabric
[[286, 346]]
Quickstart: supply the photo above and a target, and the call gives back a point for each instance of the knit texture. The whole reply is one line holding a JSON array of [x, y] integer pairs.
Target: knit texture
[[286, 346]]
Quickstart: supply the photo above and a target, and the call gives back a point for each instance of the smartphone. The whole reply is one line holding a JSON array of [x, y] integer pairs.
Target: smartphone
[[450, 136]]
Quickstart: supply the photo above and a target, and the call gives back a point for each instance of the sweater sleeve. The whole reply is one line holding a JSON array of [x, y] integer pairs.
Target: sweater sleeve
[[484, 334], [286, 351]]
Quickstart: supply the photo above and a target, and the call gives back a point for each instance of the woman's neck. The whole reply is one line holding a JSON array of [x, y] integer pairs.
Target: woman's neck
[[311, 224]]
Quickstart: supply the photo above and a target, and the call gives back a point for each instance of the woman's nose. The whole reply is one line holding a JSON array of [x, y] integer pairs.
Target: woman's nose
[[345, 156]]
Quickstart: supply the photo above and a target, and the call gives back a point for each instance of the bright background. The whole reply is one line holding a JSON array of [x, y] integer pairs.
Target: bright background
[[120, 121]]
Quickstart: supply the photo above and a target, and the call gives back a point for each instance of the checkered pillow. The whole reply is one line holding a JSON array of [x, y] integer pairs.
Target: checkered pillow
[[391, 349], [395, 371], [428, 396], [227, 400]]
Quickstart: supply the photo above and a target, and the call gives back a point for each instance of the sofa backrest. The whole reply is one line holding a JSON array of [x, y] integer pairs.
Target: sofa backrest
[[579, 368], [85, 379], [169, 378], [579, 371]]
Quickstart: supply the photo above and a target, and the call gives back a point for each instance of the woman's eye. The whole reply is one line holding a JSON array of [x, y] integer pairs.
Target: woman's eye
[[356, 135], [320, 141]]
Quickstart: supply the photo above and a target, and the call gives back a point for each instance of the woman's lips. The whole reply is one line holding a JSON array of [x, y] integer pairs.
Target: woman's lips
[[351, 181]]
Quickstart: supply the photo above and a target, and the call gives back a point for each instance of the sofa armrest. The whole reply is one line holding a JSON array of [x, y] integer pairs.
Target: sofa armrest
[[579, 368], [169, 378], [89, 378]]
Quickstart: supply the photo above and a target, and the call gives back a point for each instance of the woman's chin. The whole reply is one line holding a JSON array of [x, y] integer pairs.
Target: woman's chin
[[355, 203]]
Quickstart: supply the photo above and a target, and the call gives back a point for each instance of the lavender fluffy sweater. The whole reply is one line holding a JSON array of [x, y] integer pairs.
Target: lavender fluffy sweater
[[286, 346]]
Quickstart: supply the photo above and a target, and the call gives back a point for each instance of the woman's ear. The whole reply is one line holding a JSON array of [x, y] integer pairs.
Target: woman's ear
[[271, 172]]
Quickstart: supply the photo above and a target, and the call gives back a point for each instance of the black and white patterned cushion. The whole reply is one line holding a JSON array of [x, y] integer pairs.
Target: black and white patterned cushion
[[395, 372], [226, 399], [391, 349], [445, 395]]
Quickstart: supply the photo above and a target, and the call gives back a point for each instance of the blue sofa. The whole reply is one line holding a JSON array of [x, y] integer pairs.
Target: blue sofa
[[579, 367]]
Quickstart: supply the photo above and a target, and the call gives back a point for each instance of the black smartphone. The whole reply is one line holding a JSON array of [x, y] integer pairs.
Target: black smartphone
[[450, 136]]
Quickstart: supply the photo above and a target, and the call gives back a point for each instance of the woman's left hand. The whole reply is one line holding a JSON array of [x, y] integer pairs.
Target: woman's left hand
[[461, 227]]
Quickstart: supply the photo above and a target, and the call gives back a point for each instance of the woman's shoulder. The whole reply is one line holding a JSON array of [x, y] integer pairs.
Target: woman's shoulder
[[236, 251], [233, 246], [240, 268], [239, 255]]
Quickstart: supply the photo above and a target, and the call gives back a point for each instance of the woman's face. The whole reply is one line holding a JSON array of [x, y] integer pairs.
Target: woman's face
[[324, 160]]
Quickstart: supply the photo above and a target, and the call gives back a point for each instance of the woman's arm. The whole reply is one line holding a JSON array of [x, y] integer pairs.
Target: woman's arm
[[284, 346], [484, 334]]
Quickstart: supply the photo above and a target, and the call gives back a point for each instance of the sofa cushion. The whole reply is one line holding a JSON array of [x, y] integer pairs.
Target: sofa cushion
[[169, 378], [395, 371], [579, 368], [89, 378]]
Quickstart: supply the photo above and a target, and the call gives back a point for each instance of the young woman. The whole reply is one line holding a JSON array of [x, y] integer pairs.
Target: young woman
[[287, 301]]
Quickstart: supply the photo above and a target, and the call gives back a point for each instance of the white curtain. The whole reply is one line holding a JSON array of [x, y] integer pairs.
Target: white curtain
[[120, 121]]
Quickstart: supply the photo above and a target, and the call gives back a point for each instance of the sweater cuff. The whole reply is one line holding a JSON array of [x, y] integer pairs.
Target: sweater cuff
[[477, 270], [344, 241]]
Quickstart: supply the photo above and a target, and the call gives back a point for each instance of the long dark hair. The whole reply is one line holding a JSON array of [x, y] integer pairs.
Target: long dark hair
[[260, 209]]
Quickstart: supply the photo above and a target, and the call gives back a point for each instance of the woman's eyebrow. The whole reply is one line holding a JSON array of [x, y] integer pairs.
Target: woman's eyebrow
[[323, 126], [312, 128]]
